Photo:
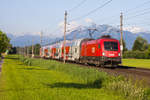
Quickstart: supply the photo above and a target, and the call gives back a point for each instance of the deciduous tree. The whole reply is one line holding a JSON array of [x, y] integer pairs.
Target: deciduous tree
[[140, 44], [4, 42]]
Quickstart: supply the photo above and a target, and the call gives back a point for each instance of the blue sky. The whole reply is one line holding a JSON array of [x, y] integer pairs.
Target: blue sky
[[31, 16]]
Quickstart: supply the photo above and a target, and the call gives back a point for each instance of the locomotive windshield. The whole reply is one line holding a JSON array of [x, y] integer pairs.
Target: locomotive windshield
[[111, 46]]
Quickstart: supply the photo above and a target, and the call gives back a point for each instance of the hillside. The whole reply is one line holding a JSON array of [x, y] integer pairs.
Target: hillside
[[83, 32]]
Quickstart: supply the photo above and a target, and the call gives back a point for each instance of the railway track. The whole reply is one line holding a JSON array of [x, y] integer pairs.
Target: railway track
[[140, 74], [134, 73]]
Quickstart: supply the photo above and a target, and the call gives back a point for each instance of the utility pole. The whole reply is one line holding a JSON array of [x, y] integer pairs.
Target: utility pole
[[24, 50], [41, 36], [32, 49], [121, 31], [28, 49], [91, 31], [65, 24]]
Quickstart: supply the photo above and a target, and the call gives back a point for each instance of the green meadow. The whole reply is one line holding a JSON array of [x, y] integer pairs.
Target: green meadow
[[141, 63], [52, 80]]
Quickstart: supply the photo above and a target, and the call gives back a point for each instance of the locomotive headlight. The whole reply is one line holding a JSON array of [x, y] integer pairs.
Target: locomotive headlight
[[118, 54], [103, 53]]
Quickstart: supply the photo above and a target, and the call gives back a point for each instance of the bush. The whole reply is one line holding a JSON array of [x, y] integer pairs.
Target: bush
[[137, 54], [147, 54], [26, 61]]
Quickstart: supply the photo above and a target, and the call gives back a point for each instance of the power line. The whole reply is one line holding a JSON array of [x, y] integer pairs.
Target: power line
[[139, 11], [78, 5], [143, 21], [56, 29], [137, 24], [129, 11], [141, 14], [110, 19], [92, 11], [140, 5]]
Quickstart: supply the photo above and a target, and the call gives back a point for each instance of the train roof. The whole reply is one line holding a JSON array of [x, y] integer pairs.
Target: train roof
[[78, 41], [106, 37]]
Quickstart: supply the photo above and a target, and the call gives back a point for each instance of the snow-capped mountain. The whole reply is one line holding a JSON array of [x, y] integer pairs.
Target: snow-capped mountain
[[83, 32], [26, 39]]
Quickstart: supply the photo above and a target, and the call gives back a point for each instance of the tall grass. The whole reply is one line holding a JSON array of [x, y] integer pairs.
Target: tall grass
[[21, 82], [131, 91], [93, 77], [53, 80]]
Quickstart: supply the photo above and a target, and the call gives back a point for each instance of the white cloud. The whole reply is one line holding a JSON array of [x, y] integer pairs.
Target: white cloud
[[88, 20], [70, 26], [17, 34], [61, 24], [134, 29]]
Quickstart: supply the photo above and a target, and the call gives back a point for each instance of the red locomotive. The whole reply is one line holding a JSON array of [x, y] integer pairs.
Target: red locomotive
[[102, 51]]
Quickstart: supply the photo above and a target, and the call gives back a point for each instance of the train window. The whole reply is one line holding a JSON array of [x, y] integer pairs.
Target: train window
[[111, 46], [75, 50]]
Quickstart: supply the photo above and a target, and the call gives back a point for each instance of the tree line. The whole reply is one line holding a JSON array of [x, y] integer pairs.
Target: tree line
[[140, 49], [6, 46], [27, 50], [4, 43]]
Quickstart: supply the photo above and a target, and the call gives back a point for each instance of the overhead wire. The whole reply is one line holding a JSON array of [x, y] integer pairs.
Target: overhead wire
[[103, 5], [92, 11], [77, 6], [134, 13], [137, 15], [140, 5], [137, 11], [73, 8], [130, 10]]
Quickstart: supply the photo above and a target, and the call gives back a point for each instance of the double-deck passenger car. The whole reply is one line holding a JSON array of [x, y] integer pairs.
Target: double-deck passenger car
[[102, 51]]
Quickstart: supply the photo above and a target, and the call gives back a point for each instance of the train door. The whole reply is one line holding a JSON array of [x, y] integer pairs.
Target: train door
[[85, 49], [99, 49]]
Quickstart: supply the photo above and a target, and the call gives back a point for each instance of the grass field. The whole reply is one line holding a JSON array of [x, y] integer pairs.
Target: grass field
[[52, 80], [141, 63]]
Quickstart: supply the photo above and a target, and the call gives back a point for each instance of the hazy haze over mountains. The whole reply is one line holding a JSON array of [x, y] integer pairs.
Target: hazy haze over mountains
[[129, 35]]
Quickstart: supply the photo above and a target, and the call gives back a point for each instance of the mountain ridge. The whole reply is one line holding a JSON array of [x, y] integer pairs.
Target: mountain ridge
[[82, 32]]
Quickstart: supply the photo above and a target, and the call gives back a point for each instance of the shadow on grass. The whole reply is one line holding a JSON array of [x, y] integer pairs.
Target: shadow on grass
[[95, 84], [14, 58], [121, 67], [125, 67]]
